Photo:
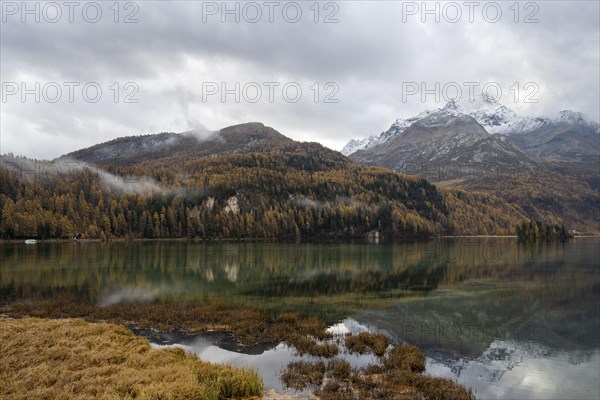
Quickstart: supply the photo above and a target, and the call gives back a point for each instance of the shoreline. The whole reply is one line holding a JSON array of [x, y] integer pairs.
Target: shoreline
[[273, 241]]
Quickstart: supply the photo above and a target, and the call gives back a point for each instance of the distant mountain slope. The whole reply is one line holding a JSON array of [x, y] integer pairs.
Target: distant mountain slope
[[548, 167], [131, 150], [561, 139], [491, 115], [566, 137], [397, 127], [445, 145], [545, 196]]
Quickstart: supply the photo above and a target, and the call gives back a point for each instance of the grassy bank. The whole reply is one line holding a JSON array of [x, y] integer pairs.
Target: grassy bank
[[249, 326], [74, 359]]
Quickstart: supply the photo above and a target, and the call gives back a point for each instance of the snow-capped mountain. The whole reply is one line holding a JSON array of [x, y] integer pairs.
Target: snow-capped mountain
[[446, 145], [490, 114], [566, 137], [574, 117], [397, 128], [523, 125], [493, 116]]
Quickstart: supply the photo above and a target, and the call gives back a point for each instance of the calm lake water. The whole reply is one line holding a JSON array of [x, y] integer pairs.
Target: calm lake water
[[508, 320]]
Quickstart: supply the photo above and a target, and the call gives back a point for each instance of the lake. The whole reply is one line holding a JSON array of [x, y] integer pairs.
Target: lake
[[506, 319]]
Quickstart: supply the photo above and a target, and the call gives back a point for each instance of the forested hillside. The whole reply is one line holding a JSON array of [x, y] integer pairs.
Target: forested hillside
[[545, 196], [287, 190]]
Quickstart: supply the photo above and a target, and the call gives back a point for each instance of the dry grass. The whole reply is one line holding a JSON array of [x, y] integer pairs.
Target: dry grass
[[398, 375], [249, 326], [429, 387], [301, 374], [74, 359], [307, 345], [366, 342], [339, 369], [405, 358], [291, 322], [334, 390]]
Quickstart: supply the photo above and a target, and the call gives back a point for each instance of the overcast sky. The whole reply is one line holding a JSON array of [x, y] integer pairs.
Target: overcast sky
[[357, 65]]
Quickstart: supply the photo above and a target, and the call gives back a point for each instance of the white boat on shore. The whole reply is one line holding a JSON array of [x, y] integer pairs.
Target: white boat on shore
[[30, 241]]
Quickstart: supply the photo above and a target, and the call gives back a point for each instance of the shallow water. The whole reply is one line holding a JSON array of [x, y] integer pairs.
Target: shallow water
[[512, 370], [270, 362], [508, 320]]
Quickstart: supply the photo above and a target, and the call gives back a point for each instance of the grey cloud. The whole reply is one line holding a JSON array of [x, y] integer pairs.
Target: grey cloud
[[369, 53]]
